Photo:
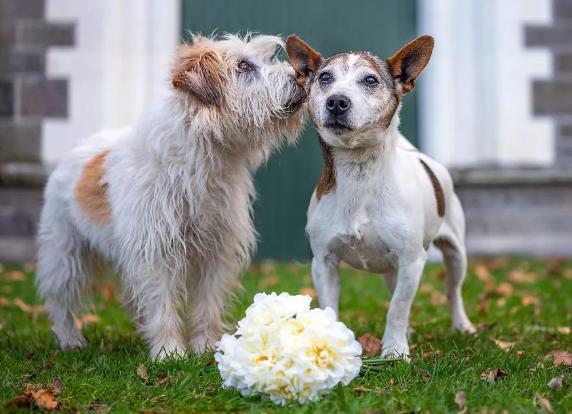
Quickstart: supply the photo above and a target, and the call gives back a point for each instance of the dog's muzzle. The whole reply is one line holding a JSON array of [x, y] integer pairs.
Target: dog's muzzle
[[337, 109]]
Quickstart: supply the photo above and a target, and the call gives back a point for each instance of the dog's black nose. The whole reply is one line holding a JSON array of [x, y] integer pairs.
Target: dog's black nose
[[338, 104]]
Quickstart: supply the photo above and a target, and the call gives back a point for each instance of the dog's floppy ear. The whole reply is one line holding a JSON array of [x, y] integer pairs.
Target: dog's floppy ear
[[303, 58], [410, 60], [199, 71]]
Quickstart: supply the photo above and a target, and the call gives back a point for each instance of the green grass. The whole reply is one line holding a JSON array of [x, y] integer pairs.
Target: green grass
[[103, 377]]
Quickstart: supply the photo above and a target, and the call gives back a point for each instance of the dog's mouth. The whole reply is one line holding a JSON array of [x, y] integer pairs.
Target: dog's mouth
[[338, 126], [296, 101]]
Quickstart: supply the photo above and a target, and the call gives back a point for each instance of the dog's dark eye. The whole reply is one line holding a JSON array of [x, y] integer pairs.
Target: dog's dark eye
[[244, 66], [370, 80], [325, 77]]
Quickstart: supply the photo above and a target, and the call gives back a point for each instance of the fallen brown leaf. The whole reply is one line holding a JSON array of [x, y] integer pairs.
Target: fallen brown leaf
[[504, 345], [493, 375], [565, 330], [308, 291], [362, 390], [556, 383], [371, 346], [461, 401], [4, 302], [24, 307], [107, 291], [438, 298], [561, 357], [543, 403], [555, 266], [426, 288], [34, 397], [142, 372], [267, 267], [15, 276], [29, 267], [501, 302], [484, 303], [521, 276], [530, 300], [89, 318], [504, 289], [567, 273], [268, 281]]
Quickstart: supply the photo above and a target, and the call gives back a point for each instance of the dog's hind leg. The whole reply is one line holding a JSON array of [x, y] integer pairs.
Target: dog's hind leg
[[450, 241], [326, 280], [64, 264]]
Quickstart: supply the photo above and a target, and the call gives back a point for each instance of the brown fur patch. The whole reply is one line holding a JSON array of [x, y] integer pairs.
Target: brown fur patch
[[303, 58], [369, 60], [199, 70], [91, 190], [439, 195], [327, 181], [339, 59]]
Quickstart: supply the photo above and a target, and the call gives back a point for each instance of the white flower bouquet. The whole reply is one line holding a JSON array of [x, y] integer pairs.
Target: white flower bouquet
[[287, 351]]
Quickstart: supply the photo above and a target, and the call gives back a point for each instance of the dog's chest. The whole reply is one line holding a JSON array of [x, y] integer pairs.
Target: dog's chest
[[357, 234]]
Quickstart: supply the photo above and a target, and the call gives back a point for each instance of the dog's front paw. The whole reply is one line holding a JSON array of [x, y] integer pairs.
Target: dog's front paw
[[76, 341], [170, 349], [395, 351], [465, 328], [201, 343]]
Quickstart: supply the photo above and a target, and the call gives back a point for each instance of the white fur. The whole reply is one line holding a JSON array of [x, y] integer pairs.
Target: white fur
[[180, 188], [382, 215]]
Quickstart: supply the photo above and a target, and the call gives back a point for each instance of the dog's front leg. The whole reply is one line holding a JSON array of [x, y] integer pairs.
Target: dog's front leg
[[326, 279], [211, 290], [156, 302], [394, 343]]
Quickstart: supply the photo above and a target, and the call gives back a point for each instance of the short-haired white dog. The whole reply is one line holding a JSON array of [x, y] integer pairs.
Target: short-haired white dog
[[379, 202], [167, 204]]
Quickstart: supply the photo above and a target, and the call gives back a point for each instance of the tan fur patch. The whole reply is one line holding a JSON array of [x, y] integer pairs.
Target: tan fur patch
[[91, 191], [327, 181], [439, 195], [200, 71]]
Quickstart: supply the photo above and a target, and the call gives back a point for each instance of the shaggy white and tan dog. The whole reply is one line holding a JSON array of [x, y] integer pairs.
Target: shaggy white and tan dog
[[167, 204], [379, 202]]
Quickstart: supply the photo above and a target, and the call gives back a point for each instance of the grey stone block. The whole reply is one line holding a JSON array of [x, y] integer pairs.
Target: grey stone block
[[557, 36], [14, 9], [552, 97], [40, 34], [6, 99], [20, 142], [563, 63], [44, 98], [16, 62], [17, 249], [19, 211], [562, 9]]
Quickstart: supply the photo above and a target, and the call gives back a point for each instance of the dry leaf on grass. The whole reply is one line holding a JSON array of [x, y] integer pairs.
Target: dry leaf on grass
[[15, 276], [266, 267], [308, 291], [362, 390], [555, 266], [504, 345], [520, 276], [24, 307], [107, 290], [437, 298], [370, 345], [493, 375], [4, 302], [142, 372], [530, 300], [561, 357], [543, 403], [86, 320], [29, 267], [484, 303], [565, 330], [556, 383], [34, 397], [268, 281], [503, 290], [461, 401]]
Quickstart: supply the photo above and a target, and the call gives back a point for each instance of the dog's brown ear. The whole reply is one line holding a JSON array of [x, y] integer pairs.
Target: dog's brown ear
[[199, 71], [303, 58], [410, 60]]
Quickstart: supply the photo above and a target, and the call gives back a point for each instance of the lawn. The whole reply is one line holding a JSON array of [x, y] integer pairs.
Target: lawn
[[523, 310]]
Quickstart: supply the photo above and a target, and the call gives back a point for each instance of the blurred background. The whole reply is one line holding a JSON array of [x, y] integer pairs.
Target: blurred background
[[494, 104]]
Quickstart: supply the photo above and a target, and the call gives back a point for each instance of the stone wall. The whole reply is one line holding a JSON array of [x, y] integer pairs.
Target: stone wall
[[27, 97]]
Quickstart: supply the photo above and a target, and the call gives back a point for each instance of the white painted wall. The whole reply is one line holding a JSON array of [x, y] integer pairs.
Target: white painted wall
[[475, 95], [120, 64]]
